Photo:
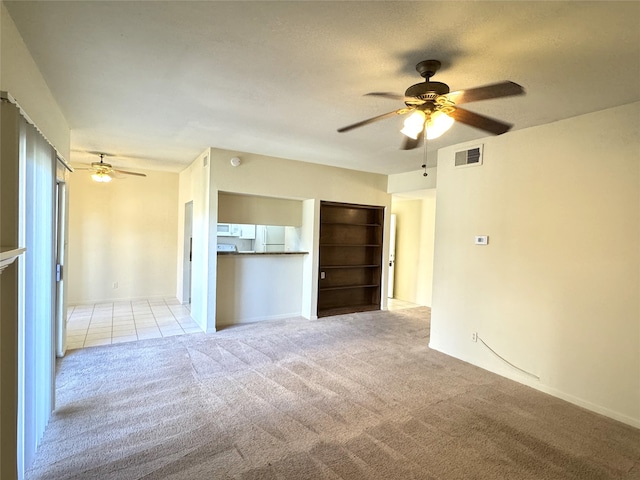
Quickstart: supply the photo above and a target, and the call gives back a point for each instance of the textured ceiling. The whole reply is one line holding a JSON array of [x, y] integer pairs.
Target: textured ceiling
[[156, 83]]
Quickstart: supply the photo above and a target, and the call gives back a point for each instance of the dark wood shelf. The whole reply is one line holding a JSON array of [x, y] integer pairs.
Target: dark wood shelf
[[350, 245], [345, 287], [328, 312], [373, 265], [350, 258], [353, 224]]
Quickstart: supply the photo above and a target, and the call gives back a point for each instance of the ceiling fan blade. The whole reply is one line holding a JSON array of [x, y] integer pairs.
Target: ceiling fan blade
[[480, 121], [409, 143], [400, 111], [129, 173], [496, 90]]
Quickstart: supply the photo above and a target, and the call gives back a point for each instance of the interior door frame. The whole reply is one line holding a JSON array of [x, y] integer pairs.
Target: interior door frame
[[60, 259]]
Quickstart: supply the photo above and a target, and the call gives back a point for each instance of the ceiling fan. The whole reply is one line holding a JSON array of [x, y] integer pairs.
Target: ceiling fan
[[104, 172], [434, 108]]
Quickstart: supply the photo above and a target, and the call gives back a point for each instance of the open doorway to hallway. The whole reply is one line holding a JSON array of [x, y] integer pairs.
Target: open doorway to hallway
[[414, 246], [187, 253]]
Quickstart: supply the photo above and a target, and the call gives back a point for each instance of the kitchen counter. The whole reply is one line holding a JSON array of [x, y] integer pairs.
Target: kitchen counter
[[263, 253], [252, 287]]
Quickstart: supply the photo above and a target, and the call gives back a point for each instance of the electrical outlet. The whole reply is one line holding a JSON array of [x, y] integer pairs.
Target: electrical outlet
[[474, 336], [115, 285]]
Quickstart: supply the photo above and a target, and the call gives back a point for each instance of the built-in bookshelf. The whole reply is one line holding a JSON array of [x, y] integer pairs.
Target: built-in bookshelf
[[350, 258]]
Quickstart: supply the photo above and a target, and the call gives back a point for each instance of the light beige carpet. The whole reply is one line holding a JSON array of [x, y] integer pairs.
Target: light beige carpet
[[349, 397]]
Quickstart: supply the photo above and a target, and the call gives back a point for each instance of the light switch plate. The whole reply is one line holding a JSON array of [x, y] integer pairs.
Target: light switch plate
[[482, 240]]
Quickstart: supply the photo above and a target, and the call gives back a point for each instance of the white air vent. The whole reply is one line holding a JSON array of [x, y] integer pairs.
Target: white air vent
[[472, 156]]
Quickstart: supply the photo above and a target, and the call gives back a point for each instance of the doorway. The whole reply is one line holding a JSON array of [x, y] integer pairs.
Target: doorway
[[392, 255], [187, 253], [414, 246]]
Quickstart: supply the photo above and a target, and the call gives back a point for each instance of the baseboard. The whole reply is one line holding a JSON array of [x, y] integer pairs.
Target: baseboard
[[538, 385], [241, 321], [590, 406], [71, 303]]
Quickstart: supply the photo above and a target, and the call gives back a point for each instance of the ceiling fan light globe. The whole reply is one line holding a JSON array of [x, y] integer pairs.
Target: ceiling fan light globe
[[437, 124], [101, 177], [411, 132], [414, 124]]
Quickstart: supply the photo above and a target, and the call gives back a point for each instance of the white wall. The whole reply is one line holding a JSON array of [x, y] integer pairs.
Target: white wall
[[556, 290], [310, 239], [258, 210], [415, 234], [270, 177], [185, 195], [412, 181], [122, 232], [20, 76], [194, 186]]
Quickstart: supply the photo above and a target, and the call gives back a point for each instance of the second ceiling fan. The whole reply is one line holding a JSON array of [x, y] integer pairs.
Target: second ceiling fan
[[434, 108], [103, 172]]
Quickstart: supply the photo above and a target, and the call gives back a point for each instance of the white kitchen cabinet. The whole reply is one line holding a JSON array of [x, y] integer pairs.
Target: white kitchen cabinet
[[247, 232]]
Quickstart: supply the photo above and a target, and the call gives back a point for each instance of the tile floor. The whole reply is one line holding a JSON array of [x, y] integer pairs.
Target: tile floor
[[116, 322], [395, 304]]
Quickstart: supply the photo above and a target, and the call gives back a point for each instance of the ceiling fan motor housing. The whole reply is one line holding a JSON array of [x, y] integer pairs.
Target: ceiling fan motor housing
[[427, 90]]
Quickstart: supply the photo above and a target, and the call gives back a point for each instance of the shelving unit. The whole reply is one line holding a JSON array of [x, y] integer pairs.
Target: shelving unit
[[350, 259]]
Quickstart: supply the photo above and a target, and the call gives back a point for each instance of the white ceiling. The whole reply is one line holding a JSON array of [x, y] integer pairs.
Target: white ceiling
[[156, 83]]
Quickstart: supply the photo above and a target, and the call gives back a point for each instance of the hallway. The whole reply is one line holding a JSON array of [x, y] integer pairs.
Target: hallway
[[127, 321]]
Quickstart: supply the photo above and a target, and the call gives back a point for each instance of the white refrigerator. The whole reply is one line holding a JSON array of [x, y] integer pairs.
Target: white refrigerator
[[269, 238]]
